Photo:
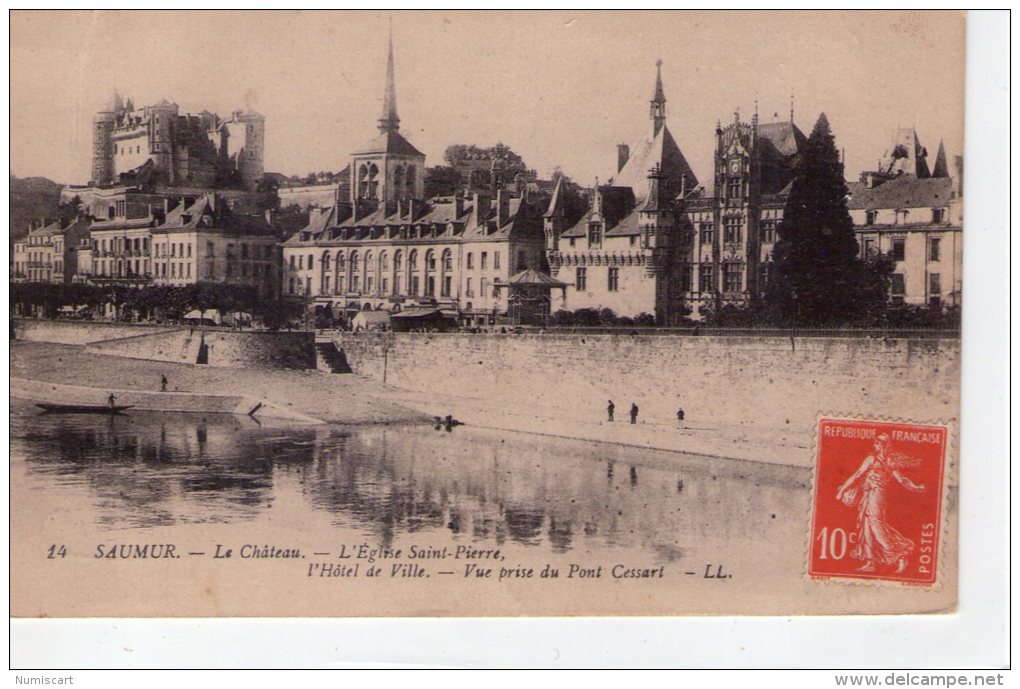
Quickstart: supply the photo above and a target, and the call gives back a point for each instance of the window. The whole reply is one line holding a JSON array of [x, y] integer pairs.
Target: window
[[938, 215], [468, 287], [308, 285], [869, 248], [430, 260], [173, 270], [292, 259], [369, 284], [902, 217], [485, 260], [495, 260], [448, 260], [897, 288], [572, 240], [686, 279], [734, 189], [733, 229], [899, 249], [764, 274], [934, 283], [870, 217], [173, 251], [430, 286], [470, 261], [731, 277], [290, 286], [300, 262], [934, 248], [311, 259], [706, 279], [384, 286], [614, 279], [414, 285], [483, 285], [707, 233], [768, 231], [595, 234], [447, 285], [582, 279], [188, 269], [633, 240]]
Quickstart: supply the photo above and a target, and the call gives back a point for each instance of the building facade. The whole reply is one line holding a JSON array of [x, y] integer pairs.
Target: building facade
[[655, 241], [49, 252], [386, 247], [915, 217]]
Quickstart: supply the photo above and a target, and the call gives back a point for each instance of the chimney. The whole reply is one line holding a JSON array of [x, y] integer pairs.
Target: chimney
[[414, 209], [622, 156], [502, 208], [482, 204]]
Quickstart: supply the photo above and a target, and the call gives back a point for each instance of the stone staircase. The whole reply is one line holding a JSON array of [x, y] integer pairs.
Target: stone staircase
[[330, 359]]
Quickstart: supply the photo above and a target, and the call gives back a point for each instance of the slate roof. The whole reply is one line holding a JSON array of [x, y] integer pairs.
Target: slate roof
[[202, 216], [785, 136], [662, 151], [619, 213], [389, 141], [47, 230], [903, 192]]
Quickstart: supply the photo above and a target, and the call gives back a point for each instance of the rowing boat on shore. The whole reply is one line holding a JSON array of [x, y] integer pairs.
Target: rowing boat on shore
[[82, 408]]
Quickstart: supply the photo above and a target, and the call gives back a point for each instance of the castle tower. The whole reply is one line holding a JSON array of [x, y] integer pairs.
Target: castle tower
[[162, 117], [389, 168], [102, 146], [251, 160]]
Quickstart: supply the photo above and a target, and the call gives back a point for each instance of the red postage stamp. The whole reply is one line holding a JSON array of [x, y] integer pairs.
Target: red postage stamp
[[877, 505]]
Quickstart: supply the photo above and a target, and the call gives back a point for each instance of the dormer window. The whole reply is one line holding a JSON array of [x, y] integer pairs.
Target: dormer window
[[938, 215], [595, 234], [870, 217]]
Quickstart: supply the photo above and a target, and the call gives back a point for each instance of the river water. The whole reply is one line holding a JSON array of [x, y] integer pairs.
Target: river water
[[202, 481]]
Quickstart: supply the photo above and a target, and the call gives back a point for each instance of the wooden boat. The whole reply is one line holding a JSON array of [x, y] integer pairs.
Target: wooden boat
[[83, 408]]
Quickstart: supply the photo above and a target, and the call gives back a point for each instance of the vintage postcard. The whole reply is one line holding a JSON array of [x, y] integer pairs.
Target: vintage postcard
[[451, 313]]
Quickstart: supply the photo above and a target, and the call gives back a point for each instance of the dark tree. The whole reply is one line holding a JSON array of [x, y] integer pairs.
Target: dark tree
[[818, 278], [441, 180]]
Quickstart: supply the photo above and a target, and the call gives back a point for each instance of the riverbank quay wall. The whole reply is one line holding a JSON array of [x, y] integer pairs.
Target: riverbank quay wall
[[212, 346], [719, 381]]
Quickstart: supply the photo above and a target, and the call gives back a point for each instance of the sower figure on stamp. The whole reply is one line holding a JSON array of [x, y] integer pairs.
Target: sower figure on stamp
[[877, 541], [610, 408]]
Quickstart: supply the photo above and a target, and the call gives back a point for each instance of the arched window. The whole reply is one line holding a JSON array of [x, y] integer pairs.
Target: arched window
[[324, 278], [354, 280], [446, 279], [409, 182], [398, 271], [340, 264], [398, 182], [373, 182], [363, 182], [326, 264], [384, 262]]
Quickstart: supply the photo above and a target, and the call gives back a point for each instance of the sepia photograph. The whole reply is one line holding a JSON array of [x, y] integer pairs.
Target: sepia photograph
[[485, 313]]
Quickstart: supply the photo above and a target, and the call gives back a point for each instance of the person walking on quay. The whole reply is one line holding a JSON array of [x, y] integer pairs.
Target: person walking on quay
[[633, 412], [610, 408], [111, 399], [163, 381], [680, 417]]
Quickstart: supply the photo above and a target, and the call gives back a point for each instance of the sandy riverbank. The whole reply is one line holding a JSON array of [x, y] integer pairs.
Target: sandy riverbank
[[353, 400]]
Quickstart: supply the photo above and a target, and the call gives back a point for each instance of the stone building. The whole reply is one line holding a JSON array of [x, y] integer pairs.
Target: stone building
[[158, 142], [207, 242], [49, 252], [386, 247], [196, 240], [915, 216]]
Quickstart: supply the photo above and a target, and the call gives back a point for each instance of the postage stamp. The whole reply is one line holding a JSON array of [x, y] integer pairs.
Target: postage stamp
[[877, 507]]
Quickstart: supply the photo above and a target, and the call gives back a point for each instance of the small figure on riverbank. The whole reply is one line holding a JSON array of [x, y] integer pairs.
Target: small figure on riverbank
[[163, 383], [680, 417], [112, 399], [633, 412], [610, 408]]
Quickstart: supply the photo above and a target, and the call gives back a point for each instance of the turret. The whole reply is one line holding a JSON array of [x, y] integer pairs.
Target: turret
[[657, 109]]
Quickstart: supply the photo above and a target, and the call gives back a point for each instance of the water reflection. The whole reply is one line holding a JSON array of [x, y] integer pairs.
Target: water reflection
[[145, 470]]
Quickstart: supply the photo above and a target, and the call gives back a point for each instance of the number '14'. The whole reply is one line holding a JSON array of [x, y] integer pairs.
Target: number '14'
[[55, 551]]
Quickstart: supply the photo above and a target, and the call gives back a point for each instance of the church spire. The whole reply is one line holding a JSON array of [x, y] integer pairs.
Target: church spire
[[657, 111], [389, 120]]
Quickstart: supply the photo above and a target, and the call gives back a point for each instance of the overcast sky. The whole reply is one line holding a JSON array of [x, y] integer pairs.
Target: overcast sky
[[561, 88]]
